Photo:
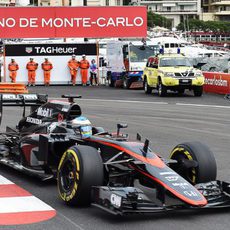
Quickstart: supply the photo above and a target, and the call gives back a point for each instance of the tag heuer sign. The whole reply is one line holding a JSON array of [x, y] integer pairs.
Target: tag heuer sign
[[58, 49], [29, 50]]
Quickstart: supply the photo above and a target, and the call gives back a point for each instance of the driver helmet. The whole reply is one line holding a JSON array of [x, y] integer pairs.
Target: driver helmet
[[84, 125]]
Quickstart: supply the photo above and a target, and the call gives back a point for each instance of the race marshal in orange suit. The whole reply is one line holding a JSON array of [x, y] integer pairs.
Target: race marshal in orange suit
[[73, 65], [84, 65], [13, 67], [47, 67], [31, 66]]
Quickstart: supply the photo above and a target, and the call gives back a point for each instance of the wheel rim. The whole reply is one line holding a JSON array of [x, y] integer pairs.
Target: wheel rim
[[191, 173], [125, 83], [146, 86], [159, 89], [67, 175]]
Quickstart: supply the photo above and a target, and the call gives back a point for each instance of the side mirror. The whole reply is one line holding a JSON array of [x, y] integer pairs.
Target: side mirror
[[120, 126]]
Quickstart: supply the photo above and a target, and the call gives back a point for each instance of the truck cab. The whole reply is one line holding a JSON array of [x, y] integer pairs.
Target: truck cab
[[126, 61], [171, 72]]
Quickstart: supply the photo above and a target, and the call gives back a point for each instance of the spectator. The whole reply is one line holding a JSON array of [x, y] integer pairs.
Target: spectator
[[31, 66], [84, 65], [93, 72], [47, 67], [73, 65], [13, 68]]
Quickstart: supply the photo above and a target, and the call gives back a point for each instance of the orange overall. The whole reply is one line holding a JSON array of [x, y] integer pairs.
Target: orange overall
[[73, 67], [13, 67], [31, 66], [84, 65], [47, 66]]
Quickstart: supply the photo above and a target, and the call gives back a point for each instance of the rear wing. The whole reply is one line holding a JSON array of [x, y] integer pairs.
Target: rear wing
[[22, 100]]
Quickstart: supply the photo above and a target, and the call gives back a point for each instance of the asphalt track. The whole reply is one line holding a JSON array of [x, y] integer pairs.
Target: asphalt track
[[166, 122]]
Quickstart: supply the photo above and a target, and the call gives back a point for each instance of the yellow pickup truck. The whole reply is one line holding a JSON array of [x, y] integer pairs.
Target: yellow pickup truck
[[172, 72]]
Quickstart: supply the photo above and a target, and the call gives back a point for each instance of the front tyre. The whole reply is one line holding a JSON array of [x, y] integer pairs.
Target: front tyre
[[111, 82], [147, 88], [198, 91], [162, 89], [126, 83], [79, 169], [196, 162]]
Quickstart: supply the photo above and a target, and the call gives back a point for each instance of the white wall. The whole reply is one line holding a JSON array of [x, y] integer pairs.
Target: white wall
[[59, 75]]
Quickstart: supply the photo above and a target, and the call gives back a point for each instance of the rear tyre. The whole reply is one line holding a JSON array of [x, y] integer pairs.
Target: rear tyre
[[79, 169], [110, 82], [126, 83], [162, 89], [147, 88], [181, 91], [198, 91], [198, 153]]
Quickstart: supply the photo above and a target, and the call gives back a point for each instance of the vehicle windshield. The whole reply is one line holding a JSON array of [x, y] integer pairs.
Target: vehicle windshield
[[174, 61], [141, 53]]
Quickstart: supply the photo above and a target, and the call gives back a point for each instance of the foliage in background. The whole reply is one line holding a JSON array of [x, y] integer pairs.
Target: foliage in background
[[206, 26], [158, 20]]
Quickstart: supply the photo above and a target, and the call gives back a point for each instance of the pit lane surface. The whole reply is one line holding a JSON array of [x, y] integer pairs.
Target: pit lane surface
[[166, 122]]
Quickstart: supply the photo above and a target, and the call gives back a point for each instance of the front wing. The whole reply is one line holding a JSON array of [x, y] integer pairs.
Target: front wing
[[127, 200]]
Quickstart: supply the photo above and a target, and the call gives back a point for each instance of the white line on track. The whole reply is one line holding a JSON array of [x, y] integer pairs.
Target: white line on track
[[123, 101], [151, 102], [202, 105]]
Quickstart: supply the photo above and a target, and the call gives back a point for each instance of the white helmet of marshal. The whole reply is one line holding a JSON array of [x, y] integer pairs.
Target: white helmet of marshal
[[84, 125]]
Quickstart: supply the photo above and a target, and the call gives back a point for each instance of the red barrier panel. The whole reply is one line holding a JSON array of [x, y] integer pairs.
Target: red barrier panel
[[217, 82]]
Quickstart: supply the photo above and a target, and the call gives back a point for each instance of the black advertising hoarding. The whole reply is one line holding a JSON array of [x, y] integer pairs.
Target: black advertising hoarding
[[66, 49], [58, 54]]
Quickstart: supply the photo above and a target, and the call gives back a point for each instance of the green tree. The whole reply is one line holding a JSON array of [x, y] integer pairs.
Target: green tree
[[154, 20], [206, 26]]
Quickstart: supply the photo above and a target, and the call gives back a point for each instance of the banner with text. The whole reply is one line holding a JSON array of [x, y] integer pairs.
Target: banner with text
[[216, 82], [58, 55], [90, 22]]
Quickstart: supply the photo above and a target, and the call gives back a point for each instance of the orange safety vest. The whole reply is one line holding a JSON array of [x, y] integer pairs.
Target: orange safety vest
[[32, 66], [47, 66], [84, 64], [73, 64], [13, 66]]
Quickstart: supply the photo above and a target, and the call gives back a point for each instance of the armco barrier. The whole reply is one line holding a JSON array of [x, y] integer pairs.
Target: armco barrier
[[15, 88], [216, 82]]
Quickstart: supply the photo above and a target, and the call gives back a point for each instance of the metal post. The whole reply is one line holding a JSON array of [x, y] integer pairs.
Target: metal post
[[85, 4]]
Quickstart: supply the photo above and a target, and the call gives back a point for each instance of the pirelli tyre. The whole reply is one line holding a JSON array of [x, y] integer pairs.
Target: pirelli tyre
[[79, 169], [196, 162]]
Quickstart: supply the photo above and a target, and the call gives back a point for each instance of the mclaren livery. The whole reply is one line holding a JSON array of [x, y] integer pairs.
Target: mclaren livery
[[107, 170]]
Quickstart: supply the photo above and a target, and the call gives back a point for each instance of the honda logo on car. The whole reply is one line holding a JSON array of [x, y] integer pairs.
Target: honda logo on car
[[115, 200], [33, 120]]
